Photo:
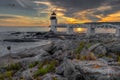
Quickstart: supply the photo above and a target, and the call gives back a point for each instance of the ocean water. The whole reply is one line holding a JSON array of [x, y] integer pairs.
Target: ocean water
[[24, 29], [17, 47], [45, 29]]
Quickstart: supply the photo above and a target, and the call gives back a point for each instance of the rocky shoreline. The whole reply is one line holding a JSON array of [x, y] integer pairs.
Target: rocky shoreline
[[68, 59]]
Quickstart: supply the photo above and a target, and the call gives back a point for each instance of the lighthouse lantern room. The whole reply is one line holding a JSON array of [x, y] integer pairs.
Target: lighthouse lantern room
[[53, 20]]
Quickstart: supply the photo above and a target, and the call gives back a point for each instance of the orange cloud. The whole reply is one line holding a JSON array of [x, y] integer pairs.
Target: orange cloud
[[23, 21], [115, 17], [71, 20], [16, 20]]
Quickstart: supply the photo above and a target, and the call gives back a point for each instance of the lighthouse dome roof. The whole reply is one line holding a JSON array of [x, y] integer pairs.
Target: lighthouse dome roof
[[53, 13]]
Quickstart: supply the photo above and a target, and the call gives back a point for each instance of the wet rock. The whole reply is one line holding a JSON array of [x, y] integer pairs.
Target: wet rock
[[41, 55], [114, 48], [30, 53], [52, 76], [19, 40], [107, 59], [68, 70], [97, 70], [100, 50], [28, 74], [76, 76], [60, 55], [62, 45], [108, 78], [57, 53], [47, 77]]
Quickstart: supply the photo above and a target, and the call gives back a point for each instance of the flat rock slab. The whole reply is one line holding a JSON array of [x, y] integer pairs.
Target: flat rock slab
[[98, 67]]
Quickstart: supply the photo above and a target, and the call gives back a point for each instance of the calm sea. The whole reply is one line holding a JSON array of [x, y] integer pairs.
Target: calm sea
[[23, 29], [45, 29], [16, 47]]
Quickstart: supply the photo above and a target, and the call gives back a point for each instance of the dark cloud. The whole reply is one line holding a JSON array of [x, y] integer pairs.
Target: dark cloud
[[73, 6], [92, 17], [7, 17], [10, 4], [77, 5], [27, 7], [18, 4], [13, 7]]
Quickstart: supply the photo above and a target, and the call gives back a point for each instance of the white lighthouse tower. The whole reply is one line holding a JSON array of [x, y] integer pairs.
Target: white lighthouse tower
[[53, 20]]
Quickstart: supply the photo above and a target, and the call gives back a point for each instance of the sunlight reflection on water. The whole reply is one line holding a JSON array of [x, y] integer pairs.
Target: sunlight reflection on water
[[45, 29]]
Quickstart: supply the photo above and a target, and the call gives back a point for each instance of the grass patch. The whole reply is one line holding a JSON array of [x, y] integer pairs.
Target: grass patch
[[21, 78], [100, 55], [90, 56], [118, 59], [1, 77], [42, 71], [33, 64], [7, 75], [16, 66], [54, 78], [44, 68], [81, 46], [78, 56], [83, 57], [88, 45], [9, 71]]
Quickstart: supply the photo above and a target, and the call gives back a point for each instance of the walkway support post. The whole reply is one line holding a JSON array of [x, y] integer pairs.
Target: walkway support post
[[90, 30], [69, 29], [117, 34]]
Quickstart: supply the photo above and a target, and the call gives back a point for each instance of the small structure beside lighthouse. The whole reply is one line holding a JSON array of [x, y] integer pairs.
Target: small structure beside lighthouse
[[53, 20]]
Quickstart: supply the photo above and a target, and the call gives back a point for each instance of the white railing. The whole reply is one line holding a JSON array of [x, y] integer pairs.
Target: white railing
[[87, 25]]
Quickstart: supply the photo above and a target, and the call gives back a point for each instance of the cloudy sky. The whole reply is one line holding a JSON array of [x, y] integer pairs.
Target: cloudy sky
[[37, 12]]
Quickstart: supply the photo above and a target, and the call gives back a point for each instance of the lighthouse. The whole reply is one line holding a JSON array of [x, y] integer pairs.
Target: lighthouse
[[53, 21]]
